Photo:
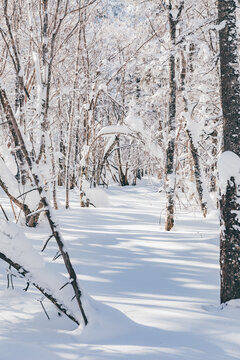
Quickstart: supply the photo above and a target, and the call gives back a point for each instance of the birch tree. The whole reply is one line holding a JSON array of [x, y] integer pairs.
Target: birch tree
[[170, 160]]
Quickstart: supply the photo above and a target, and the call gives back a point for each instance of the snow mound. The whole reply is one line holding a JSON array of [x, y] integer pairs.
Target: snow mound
[[105, 323]]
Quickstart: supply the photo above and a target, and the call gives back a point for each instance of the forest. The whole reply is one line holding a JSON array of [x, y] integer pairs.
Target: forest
[[119, 179]]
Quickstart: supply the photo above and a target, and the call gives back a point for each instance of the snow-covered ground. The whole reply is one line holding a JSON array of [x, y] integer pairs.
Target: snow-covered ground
[[155, 295]]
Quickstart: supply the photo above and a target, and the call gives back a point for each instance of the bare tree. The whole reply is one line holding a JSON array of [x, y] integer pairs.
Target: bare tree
[[170, 160]]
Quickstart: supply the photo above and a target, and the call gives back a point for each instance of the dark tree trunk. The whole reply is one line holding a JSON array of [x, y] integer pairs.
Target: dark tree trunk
[[230, 86], [229, 202], [230, 241]]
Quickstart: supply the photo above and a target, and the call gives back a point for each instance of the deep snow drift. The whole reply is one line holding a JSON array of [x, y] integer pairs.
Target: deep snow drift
[[154, 295]]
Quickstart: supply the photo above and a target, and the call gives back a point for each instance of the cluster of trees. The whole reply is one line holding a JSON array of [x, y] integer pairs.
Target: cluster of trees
[[94, 91]]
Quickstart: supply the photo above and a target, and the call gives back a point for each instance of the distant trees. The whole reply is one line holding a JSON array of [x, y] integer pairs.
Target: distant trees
[[67, 79]]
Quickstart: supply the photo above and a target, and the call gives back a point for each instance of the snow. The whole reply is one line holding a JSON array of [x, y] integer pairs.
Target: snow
[[16, 247], [8, 178], [220, 26], [196, 128], [98, 197], [134, 122], [228, 166], [114, 129], [154, 294]]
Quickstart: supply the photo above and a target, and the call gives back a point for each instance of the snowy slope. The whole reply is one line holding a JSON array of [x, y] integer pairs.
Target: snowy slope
[[155, 295]]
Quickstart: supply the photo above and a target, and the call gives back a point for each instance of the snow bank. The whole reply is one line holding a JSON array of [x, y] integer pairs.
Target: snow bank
[[105, 323]]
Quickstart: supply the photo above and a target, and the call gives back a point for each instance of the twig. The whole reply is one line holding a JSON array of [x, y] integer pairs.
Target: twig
[[58, 254], [62, 287], [41, 302], [9, 278], [4, 212], [26, 192], [14, 212], [44, 247], [26, 288]]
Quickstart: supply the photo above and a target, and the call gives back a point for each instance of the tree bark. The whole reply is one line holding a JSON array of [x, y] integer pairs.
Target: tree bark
[[170, 168], [229, 197]]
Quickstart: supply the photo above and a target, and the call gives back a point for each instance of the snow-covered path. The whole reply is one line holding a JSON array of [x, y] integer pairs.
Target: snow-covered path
[[156, 293]]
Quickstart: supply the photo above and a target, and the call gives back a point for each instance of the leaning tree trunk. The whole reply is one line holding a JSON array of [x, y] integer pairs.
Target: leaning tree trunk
[[229, 197], [55, 233], [170, 163]]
